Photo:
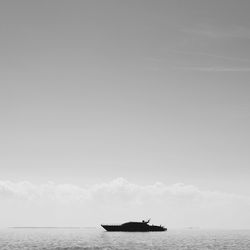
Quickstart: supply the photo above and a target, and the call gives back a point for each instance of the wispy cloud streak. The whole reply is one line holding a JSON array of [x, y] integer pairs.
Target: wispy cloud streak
[[213, 69], [215, 32], [204, 54]]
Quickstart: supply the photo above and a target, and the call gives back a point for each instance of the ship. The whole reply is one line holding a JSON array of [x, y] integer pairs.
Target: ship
[[132, 226]]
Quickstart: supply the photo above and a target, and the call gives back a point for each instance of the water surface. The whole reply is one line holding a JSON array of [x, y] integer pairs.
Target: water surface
[[96, 238]]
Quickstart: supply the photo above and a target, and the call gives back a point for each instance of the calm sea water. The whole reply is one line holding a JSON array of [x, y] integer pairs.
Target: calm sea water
[[91, 238]]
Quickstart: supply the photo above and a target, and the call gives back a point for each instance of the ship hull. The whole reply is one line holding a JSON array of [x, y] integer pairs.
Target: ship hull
[[120, 228]]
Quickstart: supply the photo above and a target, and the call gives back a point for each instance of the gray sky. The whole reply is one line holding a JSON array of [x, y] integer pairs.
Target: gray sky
[[150, 91]]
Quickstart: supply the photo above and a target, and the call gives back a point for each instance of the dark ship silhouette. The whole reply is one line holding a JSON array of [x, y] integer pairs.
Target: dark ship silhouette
[[134, 227]]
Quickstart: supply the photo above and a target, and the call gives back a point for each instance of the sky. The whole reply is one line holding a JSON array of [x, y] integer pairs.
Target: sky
[[126, 109]]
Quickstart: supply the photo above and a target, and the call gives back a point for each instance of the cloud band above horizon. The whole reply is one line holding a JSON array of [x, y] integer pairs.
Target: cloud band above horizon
[[120, 198]]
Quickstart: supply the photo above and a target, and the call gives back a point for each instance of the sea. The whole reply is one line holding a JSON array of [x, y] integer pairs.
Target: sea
[[97, 238]]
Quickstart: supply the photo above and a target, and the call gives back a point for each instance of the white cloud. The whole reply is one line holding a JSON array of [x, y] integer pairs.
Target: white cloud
[[66, 204], [50, 191], [116, 189]]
